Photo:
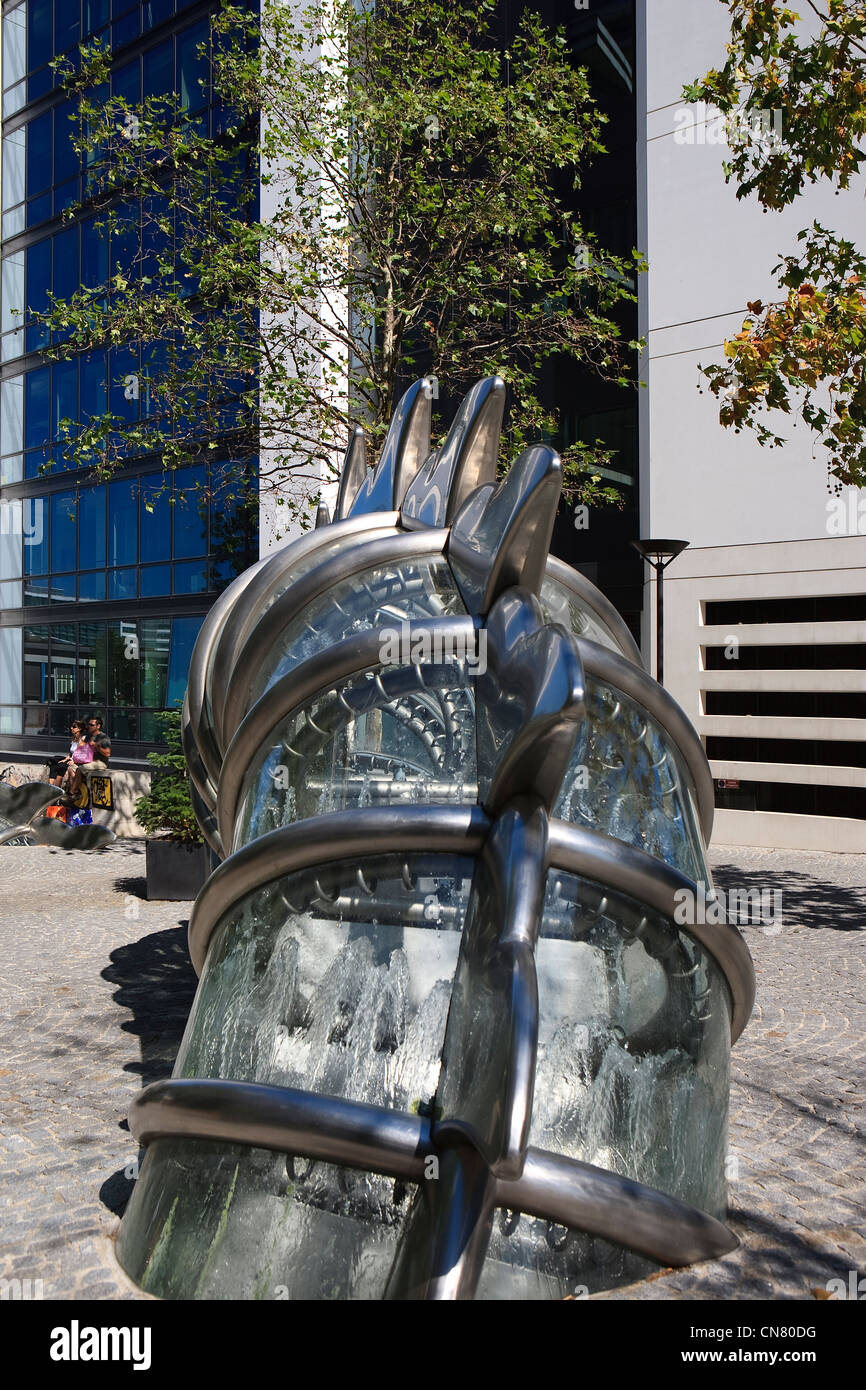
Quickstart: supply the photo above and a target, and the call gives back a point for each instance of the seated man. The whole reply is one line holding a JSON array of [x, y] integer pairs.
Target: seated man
[[101, 745]]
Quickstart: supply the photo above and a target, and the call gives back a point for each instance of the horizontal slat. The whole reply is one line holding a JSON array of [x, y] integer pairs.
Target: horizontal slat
[[760, 726], [818, 681], [795, 774], [780, 830], [782, 634]]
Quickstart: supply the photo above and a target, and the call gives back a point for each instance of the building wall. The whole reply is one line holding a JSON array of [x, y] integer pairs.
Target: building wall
[[761, 523], [102, 588]]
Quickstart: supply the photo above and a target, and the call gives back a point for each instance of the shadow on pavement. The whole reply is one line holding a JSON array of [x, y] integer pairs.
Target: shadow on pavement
[[805, 902], [156, 982]]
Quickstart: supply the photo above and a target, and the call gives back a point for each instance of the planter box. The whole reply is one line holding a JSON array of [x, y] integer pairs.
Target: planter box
[[176, 871]]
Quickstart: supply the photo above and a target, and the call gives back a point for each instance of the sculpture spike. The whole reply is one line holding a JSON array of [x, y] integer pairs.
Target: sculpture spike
[[323, 516], [406, 442], [353, 473], [530, 699], [500, 538], [466, 461]]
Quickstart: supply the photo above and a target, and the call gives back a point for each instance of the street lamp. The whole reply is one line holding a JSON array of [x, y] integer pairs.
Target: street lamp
[[659, 554]]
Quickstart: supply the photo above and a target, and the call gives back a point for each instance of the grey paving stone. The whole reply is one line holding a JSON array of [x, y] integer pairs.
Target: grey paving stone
[[93, 1004]]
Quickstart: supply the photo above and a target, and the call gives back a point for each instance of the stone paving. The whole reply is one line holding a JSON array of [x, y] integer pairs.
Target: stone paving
[[93, 1004]]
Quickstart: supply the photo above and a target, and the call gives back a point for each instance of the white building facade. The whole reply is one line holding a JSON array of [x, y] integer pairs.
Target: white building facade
[[765, 613]]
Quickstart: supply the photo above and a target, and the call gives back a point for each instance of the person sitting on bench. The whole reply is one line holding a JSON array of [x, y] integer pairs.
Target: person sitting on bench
[[101, 747]]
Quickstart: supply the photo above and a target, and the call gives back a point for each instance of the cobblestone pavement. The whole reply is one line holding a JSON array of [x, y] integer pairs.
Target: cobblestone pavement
[[93, 1004]]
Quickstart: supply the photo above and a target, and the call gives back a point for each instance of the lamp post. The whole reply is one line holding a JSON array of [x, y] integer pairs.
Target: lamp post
[[659, 554]]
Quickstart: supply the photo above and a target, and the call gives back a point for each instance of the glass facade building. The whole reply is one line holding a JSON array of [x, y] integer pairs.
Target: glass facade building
[[103, 586]]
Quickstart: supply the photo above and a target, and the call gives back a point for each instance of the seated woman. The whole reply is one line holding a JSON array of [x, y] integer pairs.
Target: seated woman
[[58, 768], [99, 746]]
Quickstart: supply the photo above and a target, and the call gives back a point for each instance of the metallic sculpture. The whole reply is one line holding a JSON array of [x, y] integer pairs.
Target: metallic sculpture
[[23, 821], [448, 1041]]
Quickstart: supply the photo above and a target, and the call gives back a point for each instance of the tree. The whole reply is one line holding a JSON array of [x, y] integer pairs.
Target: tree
[[806, 350], [412, 226]]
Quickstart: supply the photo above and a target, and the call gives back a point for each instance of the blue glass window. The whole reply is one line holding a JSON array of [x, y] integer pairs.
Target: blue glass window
[[40, 45], [190, 514], [39, 154], [37, 285], [62, 588], [125, 82], [159, 70], [94, 401], [91, 527], [122, 663], [36, 549], [156, 512], [155, 581], [67, 29], [66, 280], [184, 631], [191, 577], [36, 407], [122, 523], [66, 162], [192, 67], [64, 398], [95, 15], [63, 531], [91, 587], [155, 11], [94, 254], [128, 28], [121, 583], [124, 388]]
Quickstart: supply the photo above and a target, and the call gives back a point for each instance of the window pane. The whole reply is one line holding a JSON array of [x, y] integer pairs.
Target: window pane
[[10, 665], [155, 642], [66, 25], [191, 578], [155, 11], [124, 383], [63, 531], [64, 399], [36, 293], [183, 634], [94, 398], [122, 523], [11, 542], [91, 663], [91, 587], [122, 583], [13, 293], [66, 280], [39, 154], [155, 581], [192, 68], [156, 512], [63, 684], [62, 588], [40, 40], [12, 416], [190, 513], [10, 720], [34, 520], [122, 724], [125, 83], [36, 419], [35, 664], [91, 530], [122, 663], [159, 70], [95, 15], [14, 45], [14, 147], [94, 255]]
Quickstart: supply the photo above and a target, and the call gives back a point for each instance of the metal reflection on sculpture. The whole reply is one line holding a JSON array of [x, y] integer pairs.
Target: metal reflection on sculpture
[[23, 821], [448, 1041]]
